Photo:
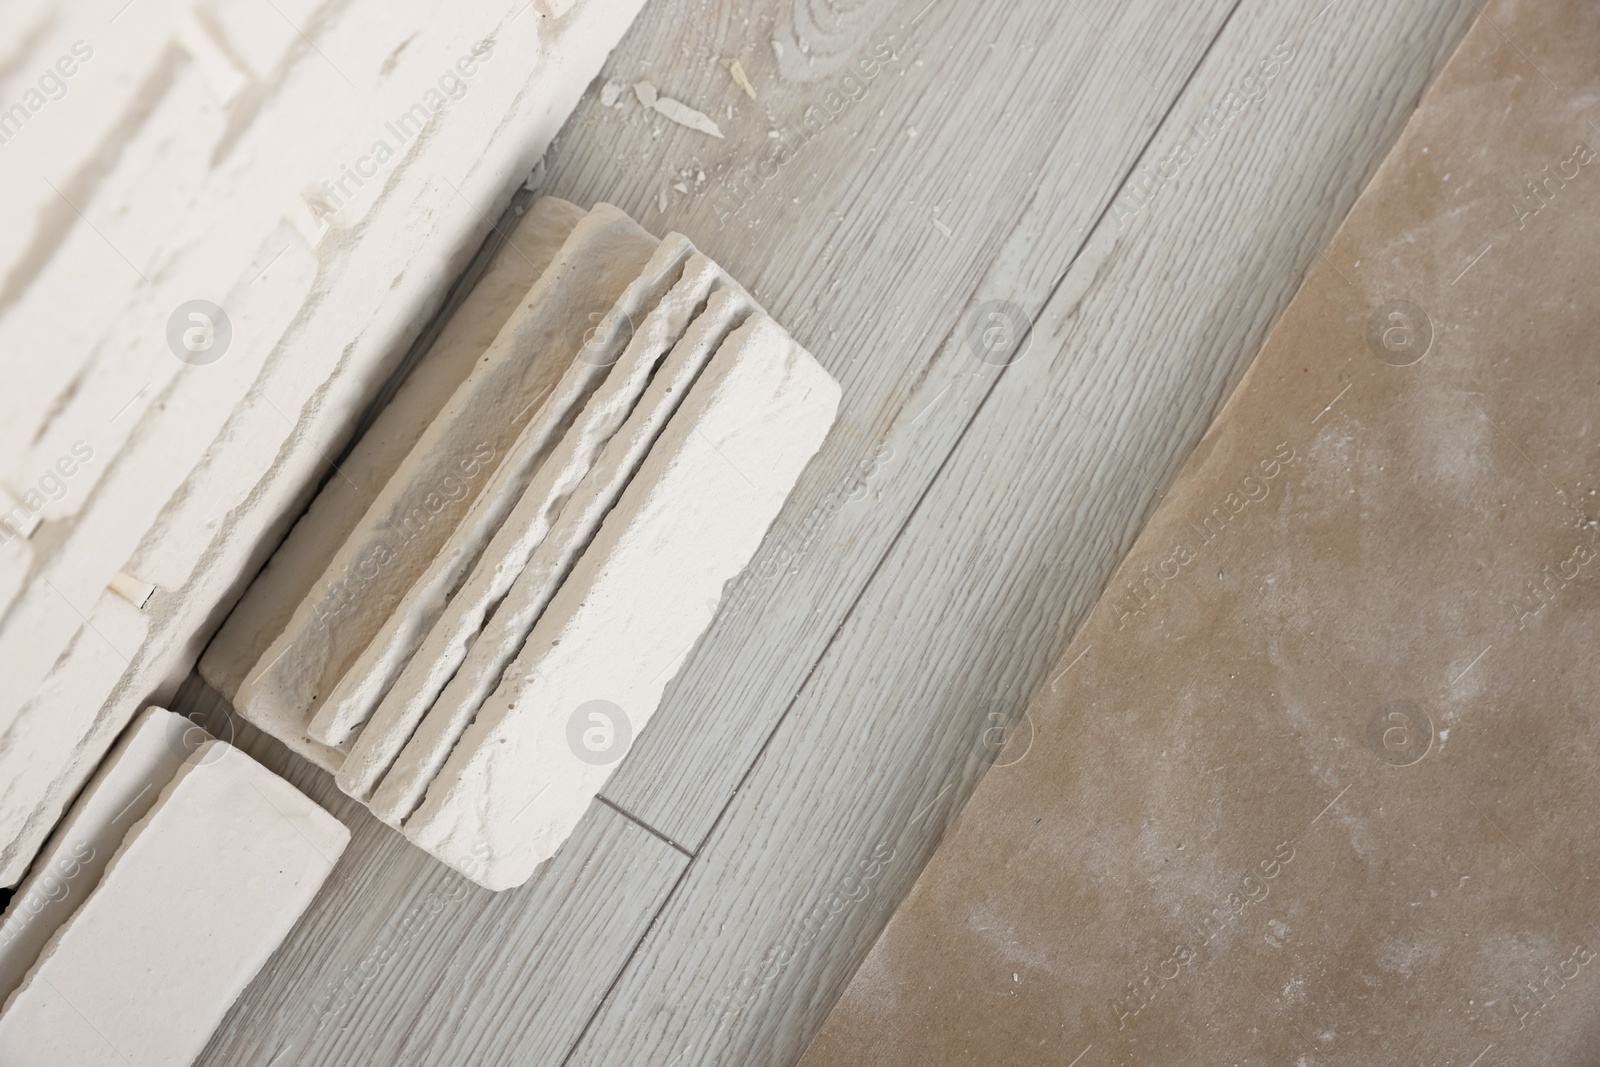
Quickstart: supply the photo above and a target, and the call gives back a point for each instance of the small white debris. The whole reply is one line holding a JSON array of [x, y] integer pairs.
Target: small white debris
[[911, 131], [942, 228], [736, 70], [682, 188], [611, 93], [684, 115], [661, 200], [131, 589], [777, 50], [681, 113]]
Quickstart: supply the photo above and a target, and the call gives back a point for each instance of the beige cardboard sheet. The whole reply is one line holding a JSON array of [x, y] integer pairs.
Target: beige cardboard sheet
[[1322, 788]]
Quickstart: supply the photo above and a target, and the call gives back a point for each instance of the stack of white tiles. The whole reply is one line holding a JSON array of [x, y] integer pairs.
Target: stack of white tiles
[[594, 447], [233, 219]]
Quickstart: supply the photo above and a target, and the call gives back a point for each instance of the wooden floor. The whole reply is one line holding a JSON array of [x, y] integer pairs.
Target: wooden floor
[[982, 481]]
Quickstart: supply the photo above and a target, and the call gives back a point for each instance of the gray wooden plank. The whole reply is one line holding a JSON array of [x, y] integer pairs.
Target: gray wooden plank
[[1026, 118], [1129, 361], [400, 960]]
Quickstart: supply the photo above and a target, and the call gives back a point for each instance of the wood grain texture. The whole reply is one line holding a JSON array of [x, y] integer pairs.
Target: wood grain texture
[[1018, 171], [1129, 361], [945, 543], [402, 960]]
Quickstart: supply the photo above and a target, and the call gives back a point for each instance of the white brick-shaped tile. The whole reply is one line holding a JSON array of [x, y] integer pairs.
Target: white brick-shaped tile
[[199, 895], [594, 667], [68, 868]]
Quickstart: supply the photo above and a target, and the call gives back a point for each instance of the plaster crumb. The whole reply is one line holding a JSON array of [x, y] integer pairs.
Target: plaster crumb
[[611, 94], [684, 115], [777, 50], [736, 70], [661, 200], [678, 112], [942, 228], [131, 589], [682, 188]]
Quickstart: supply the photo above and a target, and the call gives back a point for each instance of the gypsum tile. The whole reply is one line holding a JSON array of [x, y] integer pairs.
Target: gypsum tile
[[592, 671], [123, 789], [549, 460], [425, 727], [268, 604], [196, 898], [413, 514], [450, 632], [408, 761]]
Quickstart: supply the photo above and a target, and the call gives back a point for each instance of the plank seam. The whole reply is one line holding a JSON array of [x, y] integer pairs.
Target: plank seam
[[1050, 295], [631, 817], [611, 987], [855, 603]]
